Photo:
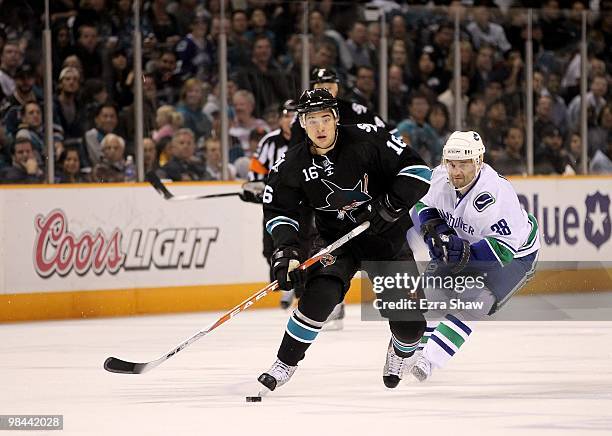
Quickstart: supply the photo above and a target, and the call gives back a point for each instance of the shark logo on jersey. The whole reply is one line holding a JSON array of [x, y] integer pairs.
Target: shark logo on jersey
[[344, 201], [483, 200], [597, 226]]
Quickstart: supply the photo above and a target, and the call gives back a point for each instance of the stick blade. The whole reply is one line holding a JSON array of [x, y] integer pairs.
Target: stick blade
[[113, 364], [156, 182]]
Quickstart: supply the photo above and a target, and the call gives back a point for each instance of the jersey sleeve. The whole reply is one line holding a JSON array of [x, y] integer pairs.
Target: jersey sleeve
[[281, 200], [502, 222], [427, 207], [409, 176]]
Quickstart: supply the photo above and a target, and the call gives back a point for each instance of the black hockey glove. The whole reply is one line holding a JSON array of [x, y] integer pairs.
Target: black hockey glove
[[252, 192], [284, 264], [381, 214], [432, 229]]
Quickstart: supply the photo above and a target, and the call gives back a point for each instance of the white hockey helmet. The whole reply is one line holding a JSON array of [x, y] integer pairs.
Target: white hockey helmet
[[464, 145]]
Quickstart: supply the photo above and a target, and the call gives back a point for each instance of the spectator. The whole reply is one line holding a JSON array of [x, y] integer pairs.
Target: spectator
[[167, 80], [88, 51], [399, 57], [475, 113], [94, 95], [69, 167], [31, 127], [244, 121], [168, 121], [551, 157], [543, 117], [262, 77], [25, 168], [239, 46], [183, 165], [447, 98], [493, 130], [190, 106], [24, 92], [373, 43], [10, 60], [441, 43], [398, 94], [357, 44], [235, 146], [417, 133], [184, 14], [112, 167], [259, 26], [426, 78], [598, 135], [511, 160], [483, 31], [398, 30], [62, 46], [559, 108], [151, 160], [575, 152], [595, 100], [106, 121], [214, 165], [119, 78], [126, 126], [438, 118], [67, 109], [363, 91], [316, 27], [555, 36], [483, 69], [74, 62], [602, 159], [163, 24], [195, 52]]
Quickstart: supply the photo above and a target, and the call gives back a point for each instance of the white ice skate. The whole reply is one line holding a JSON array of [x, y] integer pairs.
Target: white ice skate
[[277, 375], [335, 320], [395, 367], [421, 369]]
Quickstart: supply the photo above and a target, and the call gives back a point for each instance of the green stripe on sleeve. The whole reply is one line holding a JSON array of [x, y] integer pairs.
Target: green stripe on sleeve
[[420, 206], [503, 253]]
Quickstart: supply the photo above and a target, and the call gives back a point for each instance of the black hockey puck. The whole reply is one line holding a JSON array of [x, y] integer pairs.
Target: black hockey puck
[[253, 399]]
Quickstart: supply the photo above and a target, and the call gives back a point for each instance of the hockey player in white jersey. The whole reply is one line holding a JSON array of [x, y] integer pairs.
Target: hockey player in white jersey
[[473, 223]]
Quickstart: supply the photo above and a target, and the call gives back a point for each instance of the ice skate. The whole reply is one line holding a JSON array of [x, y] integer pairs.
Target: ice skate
[[421, 369], [335, 320], [394, 367], [277, 375]]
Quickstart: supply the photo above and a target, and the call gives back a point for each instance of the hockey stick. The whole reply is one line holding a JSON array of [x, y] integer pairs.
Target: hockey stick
[[113, 364], [254, 188]]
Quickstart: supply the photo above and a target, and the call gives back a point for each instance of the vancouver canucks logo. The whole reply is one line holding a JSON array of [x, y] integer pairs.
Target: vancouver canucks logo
[[597, 226], [483, 200], [344, 201]]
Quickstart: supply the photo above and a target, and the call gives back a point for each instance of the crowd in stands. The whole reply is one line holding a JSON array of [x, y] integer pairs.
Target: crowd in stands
[[93, 81]]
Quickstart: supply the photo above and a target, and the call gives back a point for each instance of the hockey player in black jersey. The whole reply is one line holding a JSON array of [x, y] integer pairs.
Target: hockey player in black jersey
[[349, 112], [347, 175]]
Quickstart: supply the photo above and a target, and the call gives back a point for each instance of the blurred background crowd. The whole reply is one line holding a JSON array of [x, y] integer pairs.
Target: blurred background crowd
[[93, 80]]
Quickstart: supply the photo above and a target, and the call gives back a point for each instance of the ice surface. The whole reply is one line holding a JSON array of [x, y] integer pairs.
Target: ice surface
[[509, 378]]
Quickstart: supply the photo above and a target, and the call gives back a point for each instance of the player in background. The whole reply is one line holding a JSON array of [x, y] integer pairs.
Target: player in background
[[346, 175], [349, 112], [473, 223]]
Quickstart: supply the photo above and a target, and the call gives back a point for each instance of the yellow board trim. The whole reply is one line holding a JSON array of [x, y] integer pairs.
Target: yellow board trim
[[127, 302]]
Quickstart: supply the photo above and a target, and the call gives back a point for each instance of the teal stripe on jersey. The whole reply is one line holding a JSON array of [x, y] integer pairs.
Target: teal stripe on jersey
[[404, 348], [421, 172]]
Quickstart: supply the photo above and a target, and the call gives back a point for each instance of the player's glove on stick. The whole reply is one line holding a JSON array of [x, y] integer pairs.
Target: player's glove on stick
[[284, 264], [459, 253], [432, 229], [381, 214]]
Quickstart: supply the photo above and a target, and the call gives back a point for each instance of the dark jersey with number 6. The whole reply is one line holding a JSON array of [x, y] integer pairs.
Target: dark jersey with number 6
[[365, 163]]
